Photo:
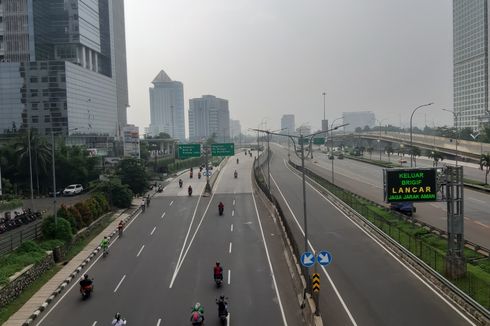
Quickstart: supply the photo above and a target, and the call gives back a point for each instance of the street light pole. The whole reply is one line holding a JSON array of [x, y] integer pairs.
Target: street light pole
[[379, 138], [456, 118], [324, 94], [411, 138], [331, 146], [54, 177]]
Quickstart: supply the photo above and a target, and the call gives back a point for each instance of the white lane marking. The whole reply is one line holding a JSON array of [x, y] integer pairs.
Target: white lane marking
[[139, 252], [231, 228], [119, 284], [391, 254], [228, 319], [159, 321], [233, 202], [229, 277], [482, 224], [88, 269], [233, 213], [95, 323], [163, 215], [476, 200], [342, 302], [153, 231], [270, 263], [181, 259], [171, 203], [229, 250]]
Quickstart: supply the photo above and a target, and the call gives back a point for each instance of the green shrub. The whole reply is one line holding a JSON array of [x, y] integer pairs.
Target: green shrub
[[51, 244], [61, 231], [119, 195], [74, 215], [102, 201], [85, 212], [28, 246]]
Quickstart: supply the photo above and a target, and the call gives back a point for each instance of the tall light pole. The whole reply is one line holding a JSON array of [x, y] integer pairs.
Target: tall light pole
[[411, 138], [324, 94], [331, 142], [379, 138], [456, 120]]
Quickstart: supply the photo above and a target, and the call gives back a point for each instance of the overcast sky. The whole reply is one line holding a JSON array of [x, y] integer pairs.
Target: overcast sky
[[272, 57]]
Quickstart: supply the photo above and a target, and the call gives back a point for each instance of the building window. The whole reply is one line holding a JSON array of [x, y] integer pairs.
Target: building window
[[44, 79], [34, 79], [47, 118], [33, 92], [34, 105], [35, 119]]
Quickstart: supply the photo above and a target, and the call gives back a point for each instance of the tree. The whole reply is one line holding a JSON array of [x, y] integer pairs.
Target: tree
[[163, 135], [485, 163], [389, 150], [132, 172], [119, 195], [60, 229], [367, 128], [211, 140], [414, 152], [358, 129], [436, 156]]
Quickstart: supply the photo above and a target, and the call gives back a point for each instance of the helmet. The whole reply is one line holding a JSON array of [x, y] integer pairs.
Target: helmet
[[117, 316], [217, 263], [85, 276], [222, 297]]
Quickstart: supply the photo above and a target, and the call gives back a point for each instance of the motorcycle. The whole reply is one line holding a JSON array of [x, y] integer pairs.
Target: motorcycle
[[189, 191], [222, 310], [160, 188], [236, 174], [86, 291], [180, 183], [218, 280], [221, 210], [199, 175]]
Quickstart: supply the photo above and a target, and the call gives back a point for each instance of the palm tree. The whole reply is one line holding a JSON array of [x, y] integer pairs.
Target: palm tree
[[436, 156], [485, 163]]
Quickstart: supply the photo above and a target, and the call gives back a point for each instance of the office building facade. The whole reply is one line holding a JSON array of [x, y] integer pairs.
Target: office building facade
[[235, 129], [288, 123], [58, 67], [359, 119], [167, 107], [209, 116], [471, 62]]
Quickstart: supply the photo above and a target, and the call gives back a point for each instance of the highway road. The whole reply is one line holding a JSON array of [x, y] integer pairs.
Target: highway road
[[367, 180], [365, 284], [162, 265]]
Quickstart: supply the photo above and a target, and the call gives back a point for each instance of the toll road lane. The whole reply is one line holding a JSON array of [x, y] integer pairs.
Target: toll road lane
[[141, 295], [376, 288], [366, 180]]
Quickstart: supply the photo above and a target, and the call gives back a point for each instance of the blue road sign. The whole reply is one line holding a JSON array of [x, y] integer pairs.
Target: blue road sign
[[307, 259], [324, 258]]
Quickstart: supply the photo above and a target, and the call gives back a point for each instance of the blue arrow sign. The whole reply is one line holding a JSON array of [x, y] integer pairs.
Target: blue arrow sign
[[324, 258], [307, 259]]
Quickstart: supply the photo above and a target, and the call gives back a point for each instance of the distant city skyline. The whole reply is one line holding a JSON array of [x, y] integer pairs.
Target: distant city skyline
[[209, 116]]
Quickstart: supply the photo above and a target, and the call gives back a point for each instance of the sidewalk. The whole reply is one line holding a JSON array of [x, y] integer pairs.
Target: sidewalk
[[64, 276]]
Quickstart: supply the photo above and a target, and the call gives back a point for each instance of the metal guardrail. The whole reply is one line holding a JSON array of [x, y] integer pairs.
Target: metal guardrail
[[11, 240], [419, 252]]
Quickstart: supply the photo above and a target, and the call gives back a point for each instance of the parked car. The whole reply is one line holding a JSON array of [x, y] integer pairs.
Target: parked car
[[72, 190], [341, 156], [59, 193]]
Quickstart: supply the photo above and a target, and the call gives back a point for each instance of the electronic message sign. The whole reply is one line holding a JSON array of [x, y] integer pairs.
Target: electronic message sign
[[410, 185]]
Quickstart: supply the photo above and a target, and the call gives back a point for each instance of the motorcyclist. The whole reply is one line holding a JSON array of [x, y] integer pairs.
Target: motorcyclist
[[143, 204], [237, 160], [104, 244], [120, 227], [85, 283], [148, 199], [189, 190], [197, 314], [199, 175], [221, 207], [118, 320], [198, 307], [180, 183], [218, 271], [222, 306], [235, 174]]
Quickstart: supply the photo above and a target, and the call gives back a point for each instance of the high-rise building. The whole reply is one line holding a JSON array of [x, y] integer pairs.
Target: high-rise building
[[471, 62], [288, 124], [235, 129], [63, 67], [167, 107], [358, 119], [209, 116]]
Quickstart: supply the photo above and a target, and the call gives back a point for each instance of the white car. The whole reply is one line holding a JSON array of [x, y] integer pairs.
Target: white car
[[72, 190]]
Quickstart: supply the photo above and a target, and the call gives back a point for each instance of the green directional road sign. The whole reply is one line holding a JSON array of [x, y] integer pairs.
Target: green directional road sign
[[318, 141], [225, 149], [306, 141], [189, 150]]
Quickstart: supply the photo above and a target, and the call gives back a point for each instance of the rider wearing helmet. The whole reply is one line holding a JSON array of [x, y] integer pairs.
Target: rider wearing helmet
[[86, 281], [104, 244], [218, 271], [118, 320], [197, 314]]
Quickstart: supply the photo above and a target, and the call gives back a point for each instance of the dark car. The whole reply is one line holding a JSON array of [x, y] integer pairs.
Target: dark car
[[406, 208], [59, 193]]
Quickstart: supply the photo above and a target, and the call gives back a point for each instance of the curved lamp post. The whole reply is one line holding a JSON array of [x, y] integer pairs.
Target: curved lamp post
[[411, 138]]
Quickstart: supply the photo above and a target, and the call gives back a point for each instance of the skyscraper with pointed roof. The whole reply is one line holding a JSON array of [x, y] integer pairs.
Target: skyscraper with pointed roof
[[167, 107]]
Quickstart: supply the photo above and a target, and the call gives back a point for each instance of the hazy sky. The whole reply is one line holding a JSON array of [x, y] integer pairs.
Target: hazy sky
[[271, 57]]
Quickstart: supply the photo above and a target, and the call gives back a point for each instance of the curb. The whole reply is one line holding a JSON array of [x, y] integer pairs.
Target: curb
[[72, 276]]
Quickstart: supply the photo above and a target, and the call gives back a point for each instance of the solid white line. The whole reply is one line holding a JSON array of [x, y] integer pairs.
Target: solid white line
[[95, 323], [229, 277], [159, 321], [163, 215], [88, 269], [231, 228], [342, 302], [171, 203], [233, 202], [229, 250], [390, 253], [482, 224], [270, 263], [233, 213], [153, 231], [180, 261], [119, 284], [476, 200], [139, 252]]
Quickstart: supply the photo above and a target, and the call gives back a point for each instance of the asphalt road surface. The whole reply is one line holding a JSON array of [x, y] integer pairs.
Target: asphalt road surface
[[365, 284], [367, 180], [163, 264]]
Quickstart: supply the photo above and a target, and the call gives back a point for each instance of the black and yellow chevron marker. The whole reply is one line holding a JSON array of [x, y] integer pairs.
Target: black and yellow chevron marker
[[315, 281]]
